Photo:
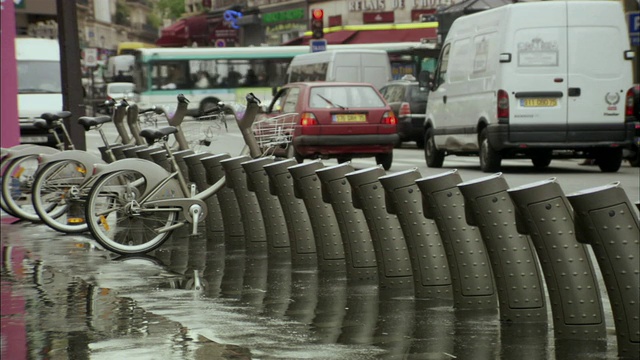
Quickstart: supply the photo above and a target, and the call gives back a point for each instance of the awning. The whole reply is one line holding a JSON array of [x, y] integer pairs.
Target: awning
[[371, 36], [174, 35]]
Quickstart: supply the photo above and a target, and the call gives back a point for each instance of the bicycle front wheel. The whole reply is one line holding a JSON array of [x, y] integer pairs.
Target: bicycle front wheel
[[58, 196], [17, 182], [116, 219]]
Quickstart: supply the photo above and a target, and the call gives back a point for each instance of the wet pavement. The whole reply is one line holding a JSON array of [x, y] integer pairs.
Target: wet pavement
[[203, 297]]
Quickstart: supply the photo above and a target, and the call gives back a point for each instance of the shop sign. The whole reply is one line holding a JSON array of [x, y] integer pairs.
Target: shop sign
[[287, 27], [376, 5], [378, 17], [432, 4], [283, 16]]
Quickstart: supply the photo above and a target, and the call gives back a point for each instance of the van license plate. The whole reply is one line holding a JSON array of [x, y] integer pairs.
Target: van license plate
[[534, 102], [33, 139], [349, 118]]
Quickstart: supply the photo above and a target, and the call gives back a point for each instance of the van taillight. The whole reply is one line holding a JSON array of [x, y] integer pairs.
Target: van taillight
[[503, 107], [389, 118], [405, 109], [628, 104], [308, 119]]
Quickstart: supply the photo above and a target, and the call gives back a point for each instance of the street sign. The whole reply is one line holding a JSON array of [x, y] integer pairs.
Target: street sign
[[634, 27], [90, 57], [318, 45]]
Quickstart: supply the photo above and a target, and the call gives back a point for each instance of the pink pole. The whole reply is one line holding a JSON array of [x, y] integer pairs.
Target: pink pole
[[10, 134]]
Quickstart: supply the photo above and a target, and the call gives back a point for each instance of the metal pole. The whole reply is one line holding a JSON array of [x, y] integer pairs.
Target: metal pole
[[70, 66]]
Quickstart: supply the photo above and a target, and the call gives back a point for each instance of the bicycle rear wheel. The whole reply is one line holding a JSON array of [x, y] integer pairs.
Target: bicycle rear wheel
[[17, 182], [118, 222], [56, 188]]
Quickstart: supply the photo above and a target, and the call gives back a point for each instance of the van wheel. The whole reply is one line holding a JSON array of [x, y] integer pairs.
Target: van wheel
[[541, 159], [609, 160], [385, 160], [490, 159], [433, 156]]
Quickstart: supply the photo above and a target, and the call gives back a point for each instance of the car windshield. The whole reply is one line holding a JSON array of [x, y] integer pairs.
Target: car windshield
[[120, 88], [323, 97], [39, 77]]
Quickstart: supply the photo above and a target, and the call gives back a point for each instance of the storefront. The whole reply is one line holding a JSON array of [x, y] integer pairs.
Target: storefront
[[282, 24]]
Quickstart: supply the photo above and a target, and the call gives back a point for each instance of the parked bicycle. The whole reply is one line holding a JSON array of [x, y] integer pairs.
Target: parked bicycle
[[134, 208]]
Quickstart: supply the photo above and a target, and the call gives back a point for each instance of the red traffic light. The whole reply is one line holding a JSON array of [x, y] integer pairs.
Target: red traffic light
[[317, 14]]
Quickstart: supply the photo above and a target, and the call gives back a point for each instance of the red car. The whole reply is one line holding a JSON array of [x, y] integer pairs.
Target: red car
[[338, 120]]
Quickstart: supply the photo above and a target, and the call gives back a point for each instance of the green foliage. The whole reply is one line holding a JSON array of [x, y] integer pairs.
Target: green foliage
[[171, 8], [122, 13], [154, 20]]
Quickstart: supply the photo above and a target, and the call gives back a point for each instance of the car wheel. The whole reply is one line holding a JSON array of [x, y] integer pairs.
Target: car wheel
[[207, 104], [433, 156], [385, 160], [490, 159], [609, 160], [541, 159], [343, 159]]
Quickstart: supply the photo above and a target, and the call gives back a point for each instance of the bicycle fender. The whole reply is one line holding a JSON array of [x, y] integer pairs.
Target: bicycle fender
[[88, 160], [153, 173], [31, 150]]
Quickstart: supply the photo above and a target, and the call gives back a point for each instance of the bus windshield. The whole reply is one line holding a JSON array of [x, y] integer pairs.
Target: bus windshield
[[39, 77]]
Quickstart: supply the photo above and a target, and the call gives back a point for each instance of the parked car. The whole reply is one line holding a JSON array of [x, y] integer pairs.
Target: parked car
[[409, 102], [341, 120], [120, 90]]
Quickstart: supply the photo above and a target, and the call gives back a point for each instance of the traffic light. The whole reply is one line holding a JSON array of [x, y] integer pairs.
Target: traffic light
[[317, 31]]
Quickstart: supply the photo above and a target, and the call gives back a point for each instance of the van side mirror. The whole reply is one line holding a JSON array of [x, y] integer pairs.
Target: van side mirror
[[425, 79]]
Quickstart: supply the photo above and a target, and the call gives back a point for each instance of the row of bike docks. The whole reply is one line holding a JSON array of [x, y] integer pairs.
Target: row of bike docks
[[478, 242]]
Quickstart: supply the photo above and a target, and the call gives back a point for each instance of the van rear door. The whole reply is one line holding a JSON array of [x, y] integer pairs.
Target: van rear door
[[599, 76], [536, 76]]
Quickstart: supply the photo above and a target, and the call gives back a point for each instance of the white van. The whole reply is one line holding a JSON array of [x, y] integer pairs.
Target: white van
[[119, 68], [535, 80], [39, 86], [370, 66]]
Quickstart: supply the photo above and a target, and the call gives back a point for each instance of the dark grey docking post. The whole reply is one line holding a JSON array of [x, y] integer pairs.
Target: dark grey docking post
[[431, 277], [326, 232], [275, 227], [253, 225], [179, 156], [392, 254], [229, 209], [130, 153], [198, 174], [360, 256], [471, 277], [296, 218], [160, 157], [146, 153], [514, 263], [606, 220], [543, 212]]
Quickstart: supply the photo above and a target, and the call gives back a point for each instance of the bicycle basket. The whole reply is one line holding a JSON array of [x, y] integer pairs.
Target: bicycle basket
[[203, 130], [271, 132]]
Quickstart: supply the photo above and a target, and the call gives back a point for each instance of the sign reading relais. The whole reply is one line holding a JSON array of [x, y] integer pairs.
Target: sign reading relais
[[282, 16], [387, 5]]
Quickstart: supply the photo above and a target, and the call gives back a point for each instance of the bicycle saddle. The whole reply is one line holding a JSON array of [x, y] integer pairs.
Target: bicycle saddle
[[90, 121], [151, 135]]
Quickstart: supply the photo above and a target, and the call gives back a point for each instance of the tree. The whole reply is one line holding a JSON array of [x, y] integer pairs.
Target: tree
[[172, 9]]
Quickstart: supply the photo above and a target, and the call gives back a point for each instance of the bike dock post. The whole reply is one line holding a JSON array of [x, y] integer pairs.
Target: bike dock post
[[392, 255], [229, 209], [515, 266], [278, 244], [253, 225], [544, 213], [326, 232], [606, 220], [471, 277], [303, 246], [198, 175], [359, 253], [431, 277]]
